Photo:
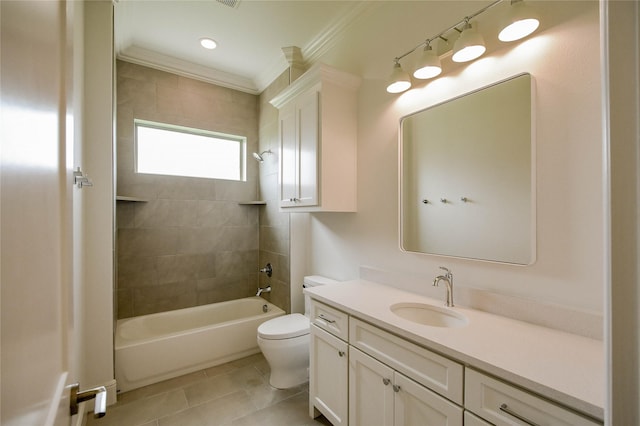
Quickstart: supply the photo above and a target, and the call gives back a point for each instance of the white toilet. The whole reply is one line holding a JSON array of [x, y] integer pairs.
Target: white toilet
[[284, 342]]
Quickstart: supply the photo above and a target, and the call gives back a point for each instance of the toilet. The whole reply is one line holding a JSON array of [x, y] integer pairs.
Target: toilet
[[284, 342]]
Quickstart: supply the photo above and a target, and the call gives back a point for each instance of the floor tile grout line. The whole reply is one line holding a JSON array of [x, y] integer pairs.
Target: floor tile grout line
[[256, 367]]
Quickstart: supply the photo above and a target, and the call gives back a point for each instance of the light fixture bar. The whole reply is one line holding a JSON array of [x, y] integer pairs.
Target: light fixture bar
[[451, 28]]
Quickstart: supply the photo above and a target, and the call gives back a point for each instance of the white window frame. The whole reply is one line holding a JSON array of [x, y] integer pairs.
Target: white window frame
[[241, 140]]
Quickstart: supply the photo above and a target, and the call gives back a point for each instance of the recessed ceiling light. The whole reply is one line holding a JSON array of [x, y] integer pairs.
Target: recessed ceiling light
[[208, 43]]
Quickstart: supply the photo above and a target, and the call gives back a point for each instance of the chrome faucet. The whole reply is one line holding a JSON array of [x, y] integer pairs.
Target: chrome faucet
[[267, 270], [263, 290], [448, 279]]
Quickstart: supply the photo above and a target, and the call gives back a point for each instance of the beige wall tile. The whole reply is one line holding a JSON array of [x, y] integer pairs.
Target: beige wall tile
[[168, 247]]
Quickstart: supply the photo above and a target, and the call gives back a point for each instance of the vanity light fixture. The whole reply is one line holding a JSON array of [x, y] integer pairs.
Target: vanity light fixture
[[208, 43], [520, 22], [429, 65], [469, 46], [399, 81]]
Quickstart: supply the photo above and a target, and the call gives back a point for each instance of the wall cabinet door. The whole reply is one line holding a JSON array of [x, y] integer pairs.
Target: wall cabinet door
[[288, 156], [299, 135], [328, 376], [318, 141]]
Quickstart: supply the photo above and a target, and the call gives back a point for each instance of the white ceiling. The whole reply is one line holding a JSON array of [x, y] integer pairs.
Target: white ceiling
[[165, 34], [358, 36]]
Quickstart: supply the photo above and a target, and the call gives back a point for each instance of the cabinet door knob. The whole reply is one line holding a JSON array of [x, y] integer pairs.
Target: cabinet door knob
[[341, 353], [386, 381], [396, 388]]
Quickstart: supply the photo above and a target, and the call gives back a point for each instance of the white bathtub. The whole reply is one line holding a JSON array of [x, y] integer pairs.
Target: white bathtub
[[156, 347]]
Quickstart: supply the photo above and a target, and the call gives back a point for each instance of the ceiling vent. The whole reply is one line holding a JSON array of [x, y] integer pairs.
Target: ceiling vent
[[230, 3]]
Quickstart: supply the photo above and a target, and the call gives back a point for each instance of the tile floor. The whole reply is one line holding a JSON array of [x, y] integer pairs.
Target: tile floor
[[232, 394]]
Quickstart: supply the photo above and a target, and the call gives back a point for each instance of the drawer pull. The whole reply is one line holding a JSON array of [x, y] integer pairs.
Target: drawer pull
[[341, 353], [396, 388], [505, 408], [386, 381], [330, 321]]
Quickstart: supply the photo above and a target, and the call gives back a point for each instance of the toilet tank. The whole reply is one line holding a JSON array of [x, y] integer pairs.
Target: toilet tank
[[314, 281]]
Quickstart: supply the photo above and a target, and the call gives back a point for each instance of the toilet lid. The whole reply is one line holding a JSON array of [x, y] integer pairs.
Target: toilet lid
[[284, 327]]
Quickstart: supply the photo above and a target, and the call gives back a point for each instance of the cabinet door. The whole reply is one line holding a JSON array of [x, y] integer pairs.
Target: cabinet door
[[308, 135], [471, 419], [288, 156], [370, 391], [416, 405], [328, 376]]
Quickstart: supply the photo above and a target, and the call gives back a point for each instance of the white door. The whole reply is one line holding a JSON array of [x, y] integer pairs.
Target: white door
[[370, 391], [308, 134], [288, 156], [416, 405], [328, 376], [36, 211]]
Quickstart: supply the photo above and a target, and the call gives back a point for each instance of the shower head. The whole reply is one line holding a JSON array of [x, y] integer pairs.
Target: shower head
[[259, 157]]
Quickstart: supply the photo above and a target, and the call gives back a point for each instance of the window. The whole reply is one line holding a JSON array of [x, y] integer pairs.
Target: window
[[182, 151]]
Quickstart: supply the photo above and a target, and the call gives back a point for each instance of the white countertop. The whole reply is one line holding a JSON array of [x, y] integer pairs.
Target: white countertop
[[564, 367]]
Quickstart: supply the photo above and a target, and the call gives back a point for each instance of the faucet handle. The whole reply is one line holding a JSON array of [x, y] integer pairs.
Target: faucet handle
[[445, 269]]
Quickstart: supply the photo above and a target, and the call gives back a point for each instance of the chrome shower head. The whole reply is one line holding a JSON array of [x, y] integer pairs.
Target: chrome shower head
[[259, 157]]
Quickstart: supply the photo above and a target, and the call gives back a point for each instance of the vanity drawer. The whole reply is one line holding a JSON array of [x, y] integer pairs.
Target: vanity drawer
[[330, 319], [471, 419], [436, 372], [503, 404]]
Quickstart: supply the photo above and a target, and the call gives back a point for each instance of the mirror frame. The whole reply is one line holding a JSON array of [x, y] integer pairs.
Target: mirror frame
[[532, 199]]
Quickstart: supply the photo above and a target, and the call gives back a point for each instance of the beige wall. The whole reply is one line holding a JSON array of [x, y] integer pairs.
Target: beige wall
[[564, 62], [191, 243]]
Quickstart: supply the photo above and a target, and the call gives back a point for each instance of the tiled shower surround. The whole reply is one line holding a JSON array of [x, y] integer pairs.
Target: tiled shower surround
[[190, 243]]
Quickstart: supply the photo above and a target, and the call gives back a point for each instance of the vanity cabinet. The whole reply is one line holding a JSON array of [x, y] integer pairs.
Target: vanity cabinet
[[362, 375], [379, 395], [328, 364], [502, 404], [318, 138], [442, 375]]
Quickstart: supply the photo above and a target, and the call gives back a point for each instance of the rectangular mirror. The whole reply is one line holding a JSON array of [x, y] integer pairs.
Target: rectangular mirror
[[467, 176]]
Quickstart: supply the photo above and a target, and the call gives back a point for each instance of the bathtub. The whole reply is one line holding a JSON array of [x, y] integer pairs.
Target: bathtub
[[156, 347]]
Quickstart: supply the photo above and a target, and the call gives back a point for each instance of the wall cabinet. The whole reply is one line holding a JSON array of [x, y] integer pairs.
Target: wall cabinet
[[318, 138]]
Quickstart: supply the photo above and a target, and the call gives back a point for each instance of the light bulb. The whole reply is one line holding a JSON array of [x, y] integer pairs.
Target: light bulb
[[520, 22], [429, 65], [208, 43], [469, 45], [399, 81]]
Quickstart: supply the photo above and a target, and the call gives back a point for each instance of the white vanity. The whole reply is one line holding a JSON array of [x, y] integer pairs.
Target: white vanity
[[371, 366]]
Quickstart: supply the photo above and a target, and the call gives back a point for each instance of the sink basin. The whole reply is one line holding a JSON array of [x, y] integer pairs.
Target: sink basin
[[422, 313]]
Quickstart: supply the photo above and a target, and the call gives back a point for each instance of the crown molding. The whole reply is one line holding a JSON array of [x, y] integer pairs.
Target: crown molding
[[321, 44], [311, 54], [332, 33], [149, 58]]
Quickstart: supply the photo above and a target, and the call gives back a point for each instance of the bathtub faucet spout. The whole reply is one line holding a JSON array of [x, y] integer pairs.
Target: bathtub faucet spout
[[263, 290]]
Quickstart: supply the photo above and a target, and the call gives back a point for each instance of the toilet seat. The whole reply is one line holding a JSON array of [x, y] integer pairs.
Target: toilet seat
[[284, 327]]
